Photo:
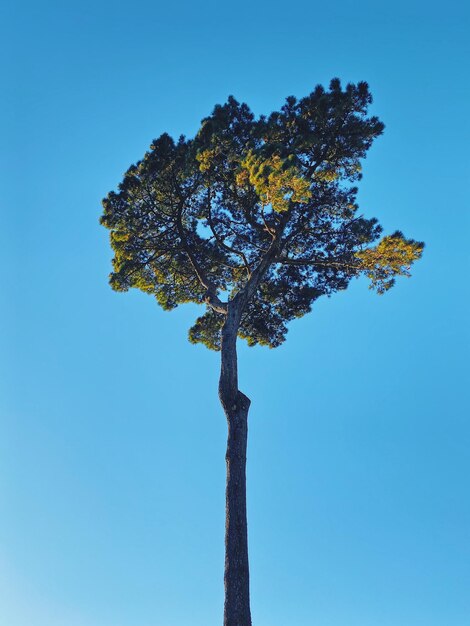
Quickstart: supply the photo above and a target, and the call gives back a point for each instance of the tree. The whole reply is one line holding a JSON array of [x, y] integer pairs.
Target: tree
[[256, 219]]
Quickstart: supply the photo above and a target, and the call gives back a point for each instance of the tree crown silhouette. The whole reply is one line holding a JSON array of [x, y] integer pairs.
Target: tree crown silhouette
[[261, 212]]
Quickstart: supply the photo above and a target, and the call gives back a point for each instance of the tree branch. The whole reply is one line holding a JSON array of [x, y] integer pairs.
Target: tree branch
[[245, 295], [210, 297], [221, 241], [313, 261]]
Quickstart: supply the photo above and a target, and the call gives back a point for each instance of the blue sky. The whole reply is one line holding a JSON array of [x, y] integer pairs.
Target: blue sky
[[112, 441]]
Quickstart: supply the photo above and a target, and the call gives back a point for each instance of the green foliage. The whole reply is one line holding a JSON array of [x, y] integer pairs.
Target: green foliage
[[206, 329], [261, 206]]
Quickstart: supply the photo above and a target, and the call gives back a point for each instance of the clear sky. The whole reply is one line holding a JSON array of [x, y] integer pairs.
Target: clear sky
[[112, 441]]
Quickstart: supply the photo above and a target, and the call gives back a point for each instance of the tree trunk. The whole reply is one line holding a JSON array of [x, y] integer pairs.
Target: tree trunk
[[235, 405]]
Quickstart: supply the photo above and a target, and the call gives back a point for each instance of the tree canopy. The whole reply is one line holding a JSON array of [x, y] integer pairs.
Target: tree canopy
[[263, 210]]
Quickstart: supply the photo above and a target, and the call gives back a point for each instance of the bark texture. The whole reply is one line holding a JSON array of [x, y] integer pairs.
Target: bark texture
[[235, 405]]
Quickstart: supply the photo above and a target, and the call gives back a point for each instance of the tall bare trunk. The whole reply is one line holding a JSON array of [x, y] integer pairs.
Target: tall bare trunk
[[235, 405]]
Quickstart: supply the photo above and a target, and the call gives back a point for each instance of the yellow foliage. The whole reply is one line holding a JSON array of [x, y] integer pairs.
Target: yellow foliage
[[205, 159], [242, 178], [393, 256], [276, 181]]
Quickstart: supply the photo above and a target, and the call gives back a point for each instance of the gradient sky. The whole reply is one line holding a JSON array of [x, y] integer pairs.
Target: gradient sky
[[112, 440]]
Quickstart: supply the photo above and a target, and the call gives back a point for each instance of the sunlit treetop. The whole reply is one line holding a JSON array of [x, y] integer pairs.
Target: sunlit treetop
[[260, 213]]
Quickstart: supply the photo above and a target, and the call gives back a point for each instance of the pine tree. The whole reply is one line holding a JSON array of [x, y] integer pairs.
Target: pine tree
[[256, 219]]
